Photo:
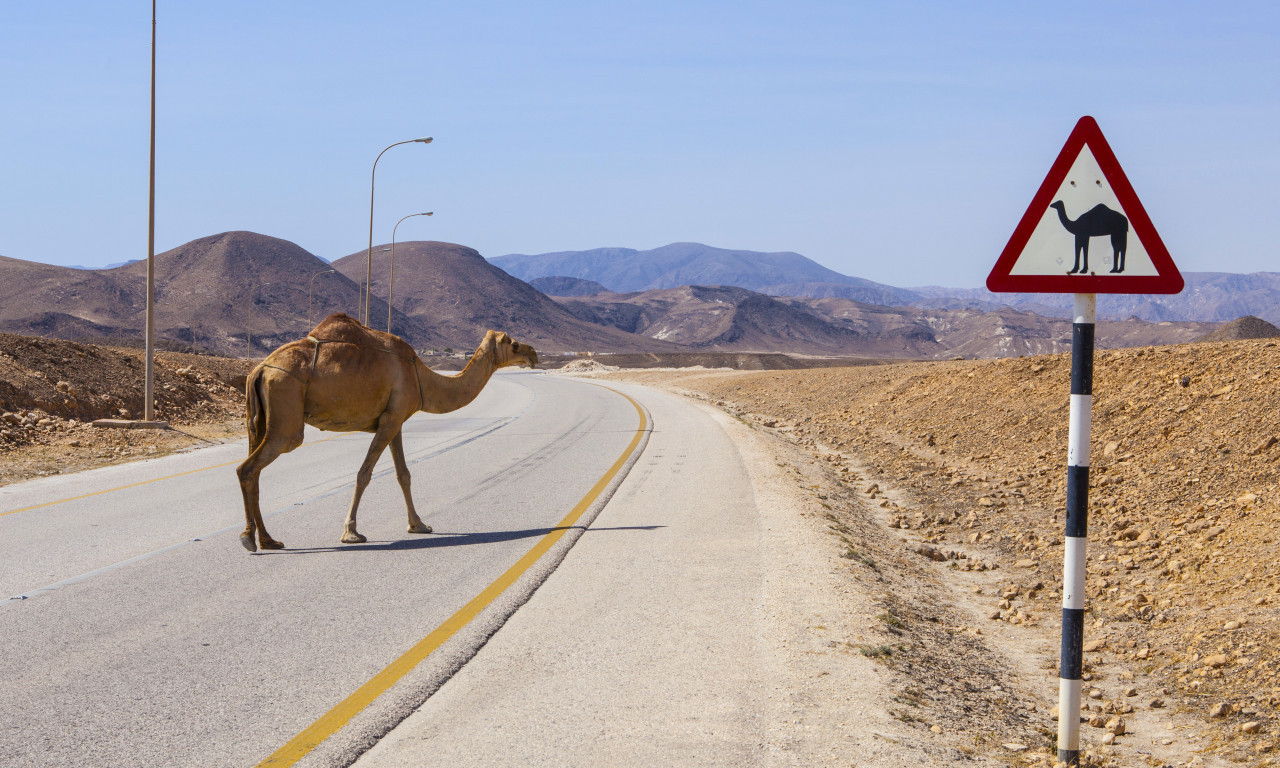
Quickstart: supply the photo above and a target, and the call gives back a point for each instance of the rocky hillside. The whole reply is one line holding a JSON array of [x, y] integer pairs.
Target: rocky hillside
[[966, 461], [455, 295], [558, 285], [51, 389], [202, 296], [204, 288], [1248, 327], [1001, 331], [733, 319]]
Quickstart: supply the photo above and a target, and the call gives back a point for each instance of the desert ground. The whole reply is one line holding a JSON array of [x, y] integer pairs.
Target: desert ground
[[941, 490]]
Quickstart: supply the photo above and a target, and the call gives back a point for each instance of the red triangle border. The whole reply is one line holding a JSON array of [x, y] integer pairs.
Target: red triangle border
[[1168, 279]]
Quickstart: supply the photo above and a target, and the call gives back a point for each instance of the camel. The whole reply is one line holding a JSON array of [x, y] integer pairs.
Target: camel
[[346, 377], [1098, 221]]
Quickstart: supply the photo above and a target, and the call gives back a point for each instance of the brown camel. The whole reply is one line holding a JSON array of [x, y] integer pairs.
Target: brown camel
[[345, 377]]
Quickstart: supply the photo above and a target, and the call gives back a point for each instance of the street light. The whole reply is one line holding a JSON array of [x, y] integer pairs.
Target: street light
[[250, 333], [391, 284], [368, 258], [310, 286], [149, 378]]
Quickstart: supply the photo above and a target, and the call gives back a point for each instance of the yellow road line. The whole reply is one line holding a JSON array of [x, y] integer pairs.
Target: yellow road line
[[143, 482], [336, 718]]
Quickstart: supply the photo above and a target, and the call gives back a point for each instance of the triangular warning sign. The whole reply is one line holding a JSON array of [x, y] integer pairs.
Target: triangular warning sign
[[1085, 230]]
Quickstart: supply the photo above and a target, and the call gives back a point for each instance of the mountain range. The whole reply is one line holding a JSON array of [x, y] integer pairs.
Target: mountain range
[[1209, 296], [777, 274], [243, 293]]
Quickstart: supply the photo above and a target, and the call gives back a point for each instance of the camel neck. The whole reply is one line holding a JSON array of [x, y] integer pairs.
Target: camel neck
[[443, 394], [1062, 217]]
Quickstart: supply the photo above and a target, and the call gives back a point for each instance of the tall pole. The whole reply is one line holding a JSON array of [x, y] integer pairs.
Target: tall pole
[[1073, 564], [311, 286], [368, 258], [148, 407], [391, 284]]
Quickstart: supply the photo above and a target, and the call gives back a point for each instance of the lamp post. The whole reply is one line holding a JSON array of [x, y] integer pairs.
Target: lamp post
[[368, 258], [310, 286], [250, 333], [391, 284], [148, 398]]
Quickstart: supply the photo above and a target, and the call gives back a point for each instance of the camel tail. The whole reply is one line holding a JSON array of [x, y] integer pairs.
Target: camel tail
[[255, 418]]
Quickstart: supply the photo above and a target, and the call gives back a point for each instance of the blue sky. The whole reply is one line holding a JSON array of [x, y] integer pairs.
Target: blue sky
[[898, 142]]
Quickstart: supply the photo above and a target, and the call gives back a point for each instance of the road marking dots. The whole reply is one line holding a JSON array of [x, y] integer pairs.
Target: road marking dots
[[330, 723]]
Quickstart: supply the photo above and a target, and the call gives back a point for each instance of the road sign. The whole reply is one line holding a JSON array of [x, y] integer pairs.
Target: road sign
[[1086, 200]]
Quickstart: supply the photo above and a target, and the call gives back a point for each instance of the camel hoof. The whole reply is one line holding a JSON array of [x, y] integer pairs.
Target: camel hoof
[[353, 538], [272, 544], [247, 540], [423, 528]]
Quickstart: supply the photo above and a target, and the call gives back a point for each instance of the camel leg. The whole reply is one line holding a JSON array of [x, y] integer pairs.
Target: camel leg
[[278, 431], [1118, 243], [249, 472], [381, 439], [1076, 267], [402, 475]]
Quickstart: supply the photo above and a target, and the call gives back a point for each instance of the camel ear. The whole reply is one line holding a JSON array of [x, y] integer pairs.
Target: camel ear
[[504, 338]]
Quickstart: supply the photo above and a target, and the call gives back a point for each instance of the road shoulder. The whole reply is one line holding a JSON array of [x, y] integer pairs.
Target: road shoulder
[[707, 617]]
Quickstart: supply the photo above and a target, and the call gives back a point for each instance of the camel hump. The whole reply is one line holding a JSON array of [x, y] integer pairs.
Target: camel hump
[[1101, 212], [341, 327]]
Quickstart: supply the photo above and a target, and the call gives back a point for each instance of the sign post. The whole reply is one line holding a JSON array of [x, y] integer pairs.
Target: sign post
[[1049, 253]]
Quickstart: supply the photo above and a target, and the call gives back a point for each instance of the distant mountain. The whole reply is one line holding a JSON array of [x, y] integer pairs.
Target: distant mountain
[[1208, 297], [456, 296], [671, 266], [447, 295], [560, 285], [733, 319], [729, 319], [999, 332], [203, 290], [202, 296]]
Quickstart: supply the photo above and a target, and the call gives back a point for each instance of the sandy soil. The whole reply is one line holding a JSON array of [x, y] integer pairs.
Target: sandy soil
[[941, 489], [963, 467]]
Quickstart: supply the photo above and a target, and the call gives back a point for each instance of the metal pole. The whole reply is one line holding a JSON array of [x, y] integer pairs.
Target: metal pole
[[1077, 526], [148, 405], [310, 286], [391, 284], [368, 257]]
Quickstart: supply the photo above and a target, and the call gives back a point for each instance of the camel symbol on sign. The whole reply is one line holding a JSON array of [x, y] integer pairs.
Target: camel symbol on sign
[[1098, 221]]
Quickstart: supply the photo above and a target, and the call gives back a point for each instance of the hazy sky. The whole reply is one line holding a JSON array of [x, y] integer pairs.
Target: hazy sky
[[900, 142]]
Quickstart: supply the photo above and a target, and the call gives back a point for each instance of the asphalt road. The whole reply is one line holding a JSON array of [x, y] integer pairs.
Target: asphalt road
[[141, 633]]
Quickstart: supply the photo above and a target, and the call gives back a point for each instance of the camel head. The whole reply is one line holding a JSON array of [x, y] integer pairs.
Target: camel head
[[508, 351]]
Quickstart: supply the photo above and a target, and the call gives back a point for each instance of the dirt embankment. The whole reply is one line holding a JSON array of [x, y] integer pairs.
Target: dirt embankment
[[965, 462], [50, 390]]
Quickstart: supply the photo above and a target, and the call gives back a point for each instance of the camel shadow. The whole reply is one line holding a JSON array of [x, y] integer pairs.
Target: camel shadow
[[443, 539]]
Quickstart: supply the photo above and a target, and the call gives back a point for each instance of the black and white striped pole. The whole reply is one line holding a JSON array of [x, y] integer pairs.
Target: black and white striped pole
[[1086, 177], [1071, 664]]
